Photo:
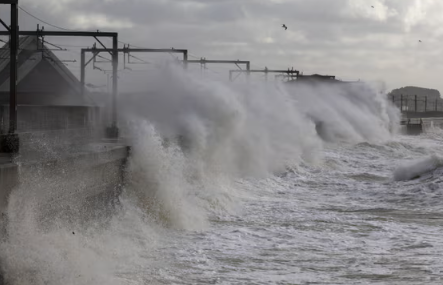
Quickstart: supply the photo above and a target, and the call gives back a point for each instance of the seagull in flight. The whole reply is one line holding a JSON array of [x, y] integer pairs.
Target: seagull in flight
[[284, 27]]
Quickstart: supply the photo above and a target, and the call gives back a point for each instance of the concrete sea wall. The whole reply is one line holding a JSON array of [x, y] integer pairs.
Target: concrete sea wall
[[73, 181]]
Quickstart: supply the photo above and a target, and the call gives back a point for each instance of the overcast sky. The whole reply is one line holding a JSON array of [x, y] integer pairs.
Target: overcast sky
[[346, 38]]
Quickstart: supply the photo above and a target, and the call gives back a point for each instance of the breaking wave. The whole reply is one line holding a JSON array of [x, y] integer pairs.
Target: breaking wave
[[192, 141], [193, 138], [350, 112]]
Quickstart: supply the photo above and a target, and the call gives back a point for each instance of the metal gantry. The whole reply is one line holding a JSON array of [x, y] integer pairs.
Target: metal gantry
[[204, 61], [114, 52], [289, 72], [96, 51], [112, 130]]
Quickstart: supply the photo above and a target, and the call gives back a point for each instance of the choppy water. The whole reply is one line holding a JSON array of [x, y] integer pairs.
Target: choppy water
[[346, 222], [363, 208]]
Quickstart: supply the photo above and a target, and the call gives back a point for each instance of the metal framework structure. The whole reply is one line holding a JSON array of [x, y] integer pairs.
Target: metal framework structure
[[288, 77], [112, 130], [10, 142], [266, 71], [204, 61], [126, 50]]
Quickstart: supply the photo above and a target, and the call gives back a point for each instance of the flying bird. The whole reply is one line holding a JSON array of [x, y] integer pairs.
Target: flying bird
[[372, 6], [419, 41], [284, 27]]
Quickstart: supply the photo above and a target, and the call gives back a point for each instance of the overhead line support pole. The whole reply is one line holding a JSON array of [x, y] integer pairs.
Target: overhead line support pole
[[204, 61], [113, 131], [10, 142], [185, 59], [82, 72]]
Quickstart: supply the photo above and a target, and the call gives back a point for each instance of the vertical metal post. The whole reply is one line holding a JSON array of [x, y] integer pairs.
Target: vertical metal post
[[113, 131], [9, 143], [82, 72], [185, 60], [13, 70], [248, 68]]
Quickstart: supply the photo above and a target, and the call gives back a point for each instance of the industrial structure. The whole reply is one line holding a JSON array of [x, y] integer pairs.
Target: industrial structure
[[43, 79], [10, 142], [31, 63]]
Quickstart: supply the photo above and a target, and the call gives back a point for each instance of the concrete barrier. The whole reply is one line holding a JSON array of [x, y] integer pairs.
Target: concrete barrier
[[71, 182]]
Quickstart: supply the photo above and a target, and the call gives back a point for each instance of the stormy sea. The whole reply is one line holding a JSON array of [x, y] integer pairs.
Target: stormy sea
[[251, 183]]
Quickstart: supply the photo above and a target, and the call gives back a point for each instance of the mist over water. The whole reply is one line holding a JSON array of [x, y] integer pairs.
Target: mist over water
[[350, 112], [209, 160], [238, 130]]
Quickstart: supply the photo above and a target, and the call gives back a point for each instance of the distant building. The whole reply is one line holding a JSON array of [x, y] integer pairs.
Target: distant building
[[48, 94], [42, 78]]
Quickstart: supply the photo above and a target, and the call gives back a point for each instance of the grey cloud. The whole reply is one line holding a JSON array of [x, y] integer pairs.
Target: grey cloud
[[326, 36], [163, 12]]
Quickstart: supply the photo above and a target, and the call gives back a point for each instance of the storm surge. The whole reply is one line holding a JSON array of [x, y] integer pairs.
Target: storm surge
[[349, 112], [194, 142]]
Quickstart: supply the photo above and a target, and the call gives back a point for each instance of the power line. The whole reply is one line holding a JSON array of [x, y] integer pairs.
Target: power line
[[193, 56], [75, 46], [61, 28], [54, 26], [65, 29]]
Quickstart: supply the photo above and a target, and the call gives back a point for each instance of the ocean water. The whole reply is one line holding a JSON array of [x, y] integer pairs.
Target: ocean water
[[253, 194]]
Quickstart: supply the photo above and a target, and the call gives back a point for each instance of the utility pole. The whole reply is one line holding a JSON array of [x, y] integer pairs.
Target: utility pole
[[10, 142]]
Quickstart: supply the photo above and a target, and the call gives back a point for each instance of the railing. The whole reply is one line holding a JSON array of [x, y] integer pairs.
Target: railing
[[47, 118], [414, 103]]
